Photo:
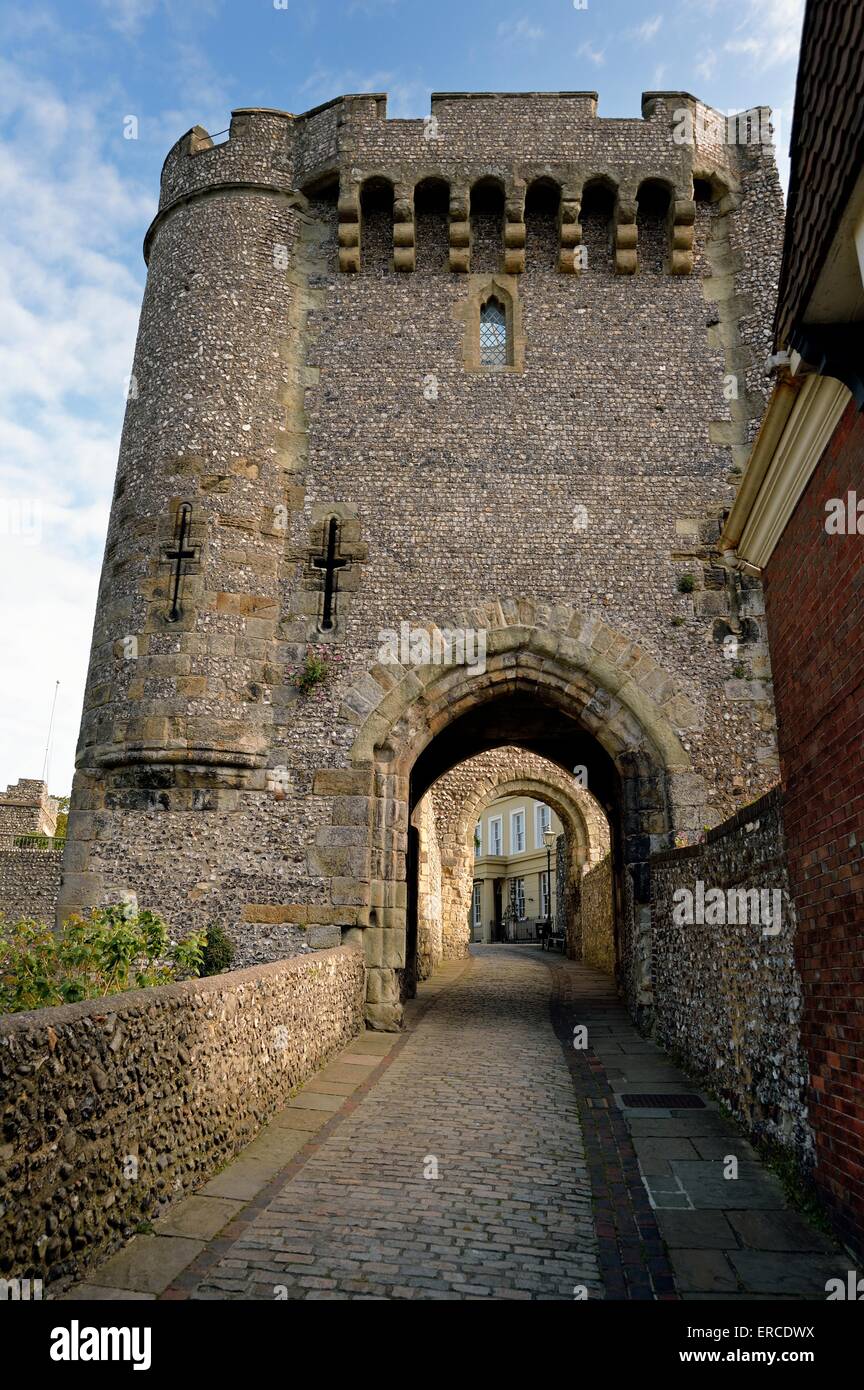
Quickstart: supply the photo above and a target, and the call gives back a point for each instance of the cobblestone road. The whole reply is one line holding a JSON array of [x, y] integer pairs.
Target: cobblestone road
[[562, 1172], [480, 1092]]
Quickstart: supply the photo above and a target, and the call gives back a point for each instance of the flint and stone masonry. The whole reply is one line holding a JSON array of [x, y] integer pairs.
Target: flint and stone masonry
[[728, 999], [114, 1107], [318, 449], [29, 866]]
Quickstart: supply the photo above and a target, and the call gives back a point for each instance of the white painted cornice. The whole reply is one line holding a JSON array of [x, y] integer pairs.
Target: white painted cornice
[[786, 453]]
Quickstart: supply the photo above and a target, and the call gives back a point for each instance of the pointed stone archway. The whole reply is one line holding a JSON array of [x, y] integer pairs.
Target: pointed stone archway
[[445, 818], [554, 681]]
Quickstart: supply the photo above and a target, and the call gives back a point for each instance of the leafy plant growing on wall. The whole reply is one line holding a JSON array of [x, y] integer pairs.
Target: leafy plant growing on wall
[[112, 950], [218, 951], [317, 668]]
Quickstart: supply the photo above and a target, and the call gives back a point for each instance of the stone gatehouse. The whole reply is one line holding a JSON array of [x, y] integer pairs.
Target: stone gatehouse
[[492, 375]]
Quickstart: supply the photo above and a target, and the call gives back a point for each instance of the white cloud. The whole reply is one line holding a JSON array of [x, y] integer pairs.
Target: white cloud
[[769, 34], [705, 64], [520, 31], [128, 17], [644, 33], [68, 312], [597, 56]]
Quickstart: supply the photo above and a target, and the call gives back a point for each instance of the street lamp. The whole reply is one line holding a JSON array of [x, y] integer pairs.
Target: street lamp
[[549, 840]]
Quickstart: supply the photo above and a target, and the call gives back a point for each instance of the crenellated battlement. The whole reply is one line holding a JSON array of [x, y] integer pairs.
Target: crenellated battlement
[[490, 140], [26, 809]]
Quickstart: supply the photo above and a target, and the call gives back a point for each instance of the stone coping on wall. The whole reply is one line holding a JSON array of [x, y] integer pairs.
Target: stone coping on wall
[[30, 856], [762, 807], [128, 1000]]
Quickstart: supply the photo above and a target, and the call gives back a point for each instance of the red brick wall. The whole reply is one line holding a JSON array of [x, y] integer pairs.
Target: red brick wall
[[815, 603]]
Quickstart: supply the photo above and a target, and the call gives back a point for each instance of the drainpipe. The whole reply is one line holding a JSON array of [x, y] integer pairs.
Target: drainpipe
[[731, 560]]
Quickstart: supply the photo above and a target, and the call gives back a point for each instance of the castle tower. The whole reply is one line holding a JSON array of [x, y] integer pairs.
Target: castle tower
[[460, 403]]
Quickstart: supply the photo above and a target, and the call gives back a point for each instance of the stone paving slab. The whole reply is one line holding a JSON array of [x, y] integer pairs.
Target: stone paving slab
[[316, 1100], [654, 1155], [241, 1180], [717, 1297], [199, 1217], [722, 1147], [703, 1271], [778, 1230], [95, 1293], [755, 1189], [697, 1230], [371, 1044], [275, 1146], [305, 1121], [148, 1263], [695, 1123], [803, 1275], [352, 1075]]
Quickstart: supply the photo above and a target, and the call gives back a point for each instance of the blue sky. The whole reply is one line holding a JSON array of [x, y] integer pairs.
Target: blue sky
[[77, 198]]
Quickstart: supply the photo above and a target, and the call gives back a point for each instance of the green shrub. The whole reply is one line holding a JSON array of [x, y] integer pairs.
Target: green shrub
[[218, 951], [686, 584], [114, 949]]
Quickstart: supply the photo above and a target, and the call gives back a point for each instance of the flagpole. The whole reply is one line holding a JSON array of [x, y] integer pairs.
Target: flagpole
[[50, 732]]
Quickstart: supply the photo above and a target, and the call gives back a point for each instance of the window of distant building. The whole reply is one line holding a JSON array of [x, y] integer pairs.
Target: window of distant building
[[517, 898], [477, 905], [544, 894], [496, 835]]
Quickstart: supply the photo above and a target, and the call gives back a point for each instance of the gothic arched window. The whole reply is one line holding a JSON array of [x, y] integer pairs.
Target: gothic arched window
[[493, 334]]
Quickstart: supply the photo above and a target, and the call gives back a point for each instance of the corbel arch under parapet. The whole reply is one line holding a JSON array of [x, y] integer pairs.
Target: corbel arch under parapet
[[598, 204], [432, 219], [655, 210], [542, 222], [376, 194], [487, 218]]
